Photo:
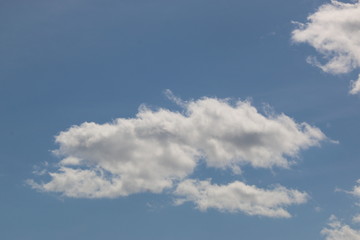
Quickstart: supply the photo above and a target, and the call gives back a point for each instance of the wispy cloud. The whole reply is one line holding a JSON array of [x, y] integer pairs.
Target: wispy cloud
[[336, 230], [355, 86], [239, 197]]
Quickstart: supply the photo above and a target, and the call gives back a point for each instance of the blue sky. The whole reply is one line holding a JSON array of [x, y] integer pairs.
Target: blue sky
[[242, 135]]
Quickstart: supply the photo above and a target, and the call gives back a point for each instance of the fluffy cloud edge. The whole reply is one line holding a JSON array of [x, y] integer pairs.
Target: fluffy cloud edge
[[355, 86], [331, 30], [336, 230], [157, 149]]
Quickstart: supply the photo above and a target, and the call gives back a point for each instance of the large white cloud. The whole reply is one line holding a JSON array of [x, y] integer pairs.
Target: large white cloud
[[239, 197], [334, 31], [159, 148], [337, 230]]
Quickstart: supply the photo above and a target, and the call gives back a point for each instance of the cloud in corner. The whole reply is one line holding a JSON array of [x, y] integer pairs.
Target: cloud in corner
[[334, 31], [337, 230]]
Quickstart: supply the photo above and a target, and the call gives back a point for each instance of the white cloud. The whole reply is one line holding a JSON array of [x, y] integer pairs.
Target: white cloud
[[356, 218], [239, 197], [356, 189], [334, 31], [355, 86], [154, 150], [336, 230]]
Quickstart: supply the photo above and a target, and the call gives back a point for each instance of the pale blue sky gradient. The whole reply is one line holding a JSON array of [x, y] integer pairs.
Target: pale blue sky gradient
[[66, 62]]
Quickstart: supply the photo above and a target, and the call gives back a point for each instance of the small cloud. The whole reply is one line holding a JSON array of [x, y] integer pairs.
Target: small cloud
[[354, 192], [239, 197], [355, 86], [356, 219], [318, 209], [337, 230], [41, 169], [333, 30]]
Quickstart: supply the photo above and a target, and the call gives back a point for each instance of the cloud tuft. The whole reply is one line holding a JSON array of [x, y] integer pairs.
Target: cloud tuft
[[239, 197], [336, 230], [334, 31], [355, 86]]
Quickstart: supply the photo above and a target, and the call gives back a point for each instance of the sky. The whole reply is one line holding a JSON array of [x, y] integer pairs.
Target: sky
[[179, 119]]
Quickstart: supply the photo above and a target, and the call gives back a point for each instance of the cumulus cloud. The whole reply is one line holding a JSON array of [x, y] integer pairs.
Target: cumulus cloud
[[336, 230], [239, 197], [334, 31], [159, 148]]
